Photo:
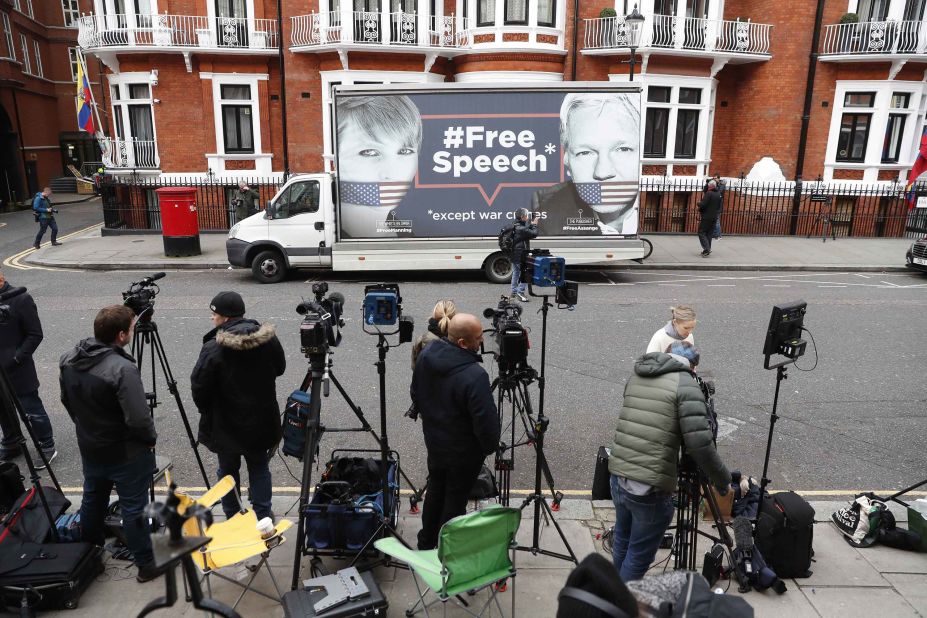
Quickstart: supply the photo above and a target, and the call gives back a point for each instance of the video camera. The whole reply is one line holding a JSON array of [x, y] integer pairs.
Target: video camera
[[320, 329], [140, 296], [510, 336]]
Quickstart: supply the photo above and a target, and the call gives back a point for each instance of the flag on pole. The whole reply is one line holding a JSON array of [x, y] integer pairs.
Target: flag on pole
[[919, 167], [84, 99]]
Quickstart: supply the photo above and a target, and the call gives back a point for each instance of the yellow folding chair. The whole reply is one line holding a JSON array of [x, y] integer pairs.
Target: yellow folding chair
[[233, 541]]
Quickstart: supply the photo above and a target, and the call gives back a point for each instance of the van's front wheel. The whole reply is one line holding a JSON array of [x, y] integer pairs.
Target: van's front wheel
[[268, 267], [498, 268]]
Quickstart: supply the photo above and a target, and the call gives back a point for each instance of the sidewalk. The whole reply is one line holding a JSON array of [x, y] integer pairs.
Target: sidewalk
[[90, 250], [846, 583]]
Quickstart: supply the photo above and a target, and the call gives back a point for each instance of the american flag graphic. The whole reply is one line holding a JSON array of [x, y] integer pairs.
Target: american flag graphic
[[607, 192], [374, 193]]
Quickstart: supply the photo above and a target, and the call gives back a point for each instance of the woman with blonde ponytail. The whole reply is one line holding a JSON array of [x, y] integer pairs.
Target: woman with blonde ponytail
[[679, 328], [437, 327]]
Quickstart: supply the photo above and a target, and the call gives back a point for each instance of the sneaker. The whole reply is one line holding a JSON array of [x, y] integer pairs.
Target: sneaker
[[9, 454], [55, 243], [704, 253], [50, 454], [521, 297], [36, 246], [148, 572]]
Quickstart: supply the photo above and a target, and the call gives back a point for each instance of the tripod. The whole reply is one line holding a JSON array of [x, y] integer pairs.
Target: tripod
[[764, 481], [10, 405], [693, 486], [146, 335]]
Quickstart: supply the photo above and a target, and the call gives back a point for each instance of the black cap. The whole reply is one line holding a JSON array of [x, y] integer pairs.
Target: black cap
[[228, 304]]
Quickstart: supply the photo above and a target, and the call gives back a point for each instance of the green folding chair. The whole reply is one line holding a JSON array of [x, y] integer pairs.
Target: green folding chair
[[473, 553]]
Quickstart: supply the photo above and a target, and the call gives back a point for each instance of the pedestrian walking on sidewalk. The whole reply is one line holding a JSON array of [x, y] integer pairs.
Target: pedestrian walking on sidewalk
[[45, 217], [20, 335], [709, 208]]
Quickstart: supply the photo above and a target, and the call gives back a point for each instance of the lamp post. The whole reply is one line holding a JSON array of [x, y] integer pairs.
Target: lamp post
[[635, 23]]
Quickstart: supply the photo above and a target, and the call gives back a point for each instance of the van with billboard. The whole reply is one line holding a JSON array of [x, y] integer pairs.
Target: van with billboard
[[427, 176]]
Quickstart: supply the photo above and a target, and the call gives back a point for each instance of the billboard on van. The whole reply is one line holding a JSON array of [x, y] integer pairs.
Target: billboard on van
[[454, 162]]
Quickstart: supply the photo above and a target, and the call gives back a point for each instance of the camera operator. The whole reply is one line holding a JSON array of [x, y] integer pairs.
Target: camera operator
[[459, 419], [20, 335], [245, 201], [45, 217], [663, 409], [102, 390], [526, 228], [437, 327], [234, 387]]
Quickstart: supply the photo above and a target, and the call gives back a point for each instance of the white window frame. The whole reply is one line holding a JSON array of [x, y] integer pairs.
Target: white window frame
[[24, 47], [72, 56], [880, 111], [122, 81], [17, 6], [8, 32], [219, 80], [39, 71], [29, 10], [70, 12], [347, 78]]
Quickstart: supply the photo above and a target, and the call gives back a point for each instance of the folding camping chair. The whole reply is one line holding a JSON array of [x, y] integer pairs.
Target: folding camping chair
[[233, 541], [473, 553]]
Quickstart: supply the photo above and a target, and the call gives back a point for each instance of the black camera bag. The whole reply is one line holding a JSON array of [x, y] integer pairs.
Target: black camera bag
[[11, 486], [784, 534], [601, 479], [51, 576]]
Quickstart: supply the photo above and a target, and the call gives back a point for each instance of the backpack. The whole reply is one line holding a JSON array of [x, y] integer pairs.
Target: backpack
[[507, 239], [784, 534]]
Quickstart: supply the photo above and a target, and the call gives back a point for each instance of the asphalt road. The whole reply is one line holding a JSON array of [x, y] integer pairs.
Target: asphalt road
[[855, 421]]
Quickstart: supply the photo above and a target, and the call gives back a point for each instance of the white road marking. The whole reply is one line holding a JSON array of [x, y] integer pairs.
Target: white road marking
[[721, 285]]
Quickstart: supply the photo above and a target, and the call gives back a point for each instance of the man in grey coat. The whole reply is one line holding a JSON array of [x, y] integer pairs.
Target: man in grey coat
[[664, 409]]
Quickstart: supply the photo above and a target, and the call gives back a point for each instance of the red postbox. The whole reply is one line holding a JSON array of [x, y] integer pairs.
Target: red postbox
[[179, 225]]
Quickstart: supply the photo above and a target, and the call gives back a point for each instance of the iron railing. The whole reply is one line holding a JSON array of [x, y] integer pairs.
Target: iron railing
[[690, 33], [131, 203], [375, 28], [666, 206], [176, 31], [875, 37], [130, 153]]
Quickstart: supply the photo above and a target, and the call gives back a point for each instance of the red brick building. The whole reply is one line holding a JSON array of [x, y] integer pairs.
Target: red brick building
[[193, 86], [38, 121]]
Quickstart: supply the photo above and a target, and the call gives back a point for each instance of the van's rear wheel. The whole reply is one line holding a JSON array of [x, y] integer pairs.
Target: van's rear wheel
[[268, 267], [498, 268]]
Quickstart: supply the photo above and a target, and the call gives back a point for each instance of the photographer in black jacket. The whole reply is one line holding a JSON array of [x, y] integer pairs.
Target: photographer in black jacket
[[526, 228], [234, 387], [710, 209], [459, 419]]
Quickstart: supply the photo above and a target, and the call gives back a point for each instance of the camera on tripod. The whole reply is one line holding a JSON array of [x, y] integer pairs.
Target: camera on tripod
[[510, 336], [382, 306], [140, 296], [320, 329]]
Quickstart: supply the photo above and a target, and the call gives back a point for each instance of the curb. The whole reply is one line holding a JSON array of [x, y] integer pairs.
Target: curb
[[128, 265], [770, 267]]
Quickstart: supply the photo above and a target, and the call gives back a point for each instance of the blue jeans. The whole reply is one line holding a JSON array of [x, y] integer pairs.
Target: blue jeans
[[44, 224], [259, 481], [517, 284], [38, 418], [132, 480], [640, 522]]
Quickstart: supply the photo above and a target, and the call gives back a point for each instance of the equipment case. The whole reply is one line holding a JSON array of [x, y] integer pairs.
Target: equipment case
[[60, 573], [299, 603]]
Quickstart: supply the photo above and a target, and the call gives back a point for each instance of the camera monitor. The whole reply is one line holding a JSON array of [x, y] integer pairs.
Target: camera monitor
[[783, 336]]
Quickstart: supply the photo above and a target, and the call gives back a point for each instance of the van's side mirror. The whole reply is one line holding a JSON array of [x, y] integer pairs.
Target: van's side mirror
[[269, 210]]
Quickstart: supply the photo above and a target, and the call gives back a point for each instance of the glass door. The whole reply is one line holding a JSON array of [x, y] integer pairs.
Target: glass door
[[367, 21], [232, 23], [403, 22]]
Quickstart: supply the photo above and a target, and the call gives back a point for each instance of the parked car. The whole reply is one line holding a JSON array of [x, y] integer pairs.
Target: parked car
[[917, 255]]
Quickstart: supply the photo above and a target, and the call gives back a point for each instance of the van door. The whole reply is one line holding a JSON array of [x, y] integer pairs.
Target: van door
[[294, 224]]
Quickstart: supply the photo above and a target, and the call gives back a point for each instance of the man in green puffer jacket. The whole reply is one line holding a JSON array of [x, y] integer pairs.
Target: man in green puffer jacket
[[663, 409]]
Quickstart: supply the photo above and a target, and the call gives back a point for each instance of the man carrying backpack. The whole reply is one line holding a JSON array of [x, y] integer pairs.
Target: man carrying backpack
[[524, 230]]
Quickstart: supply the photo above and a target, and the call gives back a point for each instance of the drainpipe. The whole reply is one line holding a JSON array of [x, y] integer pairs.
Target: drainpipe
[[575, 44], [806, 116], [286, 147], [22, 143]]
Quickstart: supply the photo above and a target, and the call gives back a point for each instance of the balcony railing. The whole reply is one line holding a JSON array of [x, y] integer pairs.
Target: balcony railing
[[130, 153], [176, 31], [687, 33], [375, 28], [875, 37]]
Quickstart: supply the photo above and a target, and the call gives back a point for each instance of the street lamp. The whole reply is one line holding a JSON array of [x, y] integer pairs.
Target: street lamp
[[635, 24]]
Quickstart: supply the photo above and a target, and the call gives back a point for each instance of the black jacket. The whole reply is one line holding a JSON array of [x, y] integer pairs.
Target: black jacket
[[452, 394], [102, 390], [710, 206], [524, 232], [19, 338], [234, 387]]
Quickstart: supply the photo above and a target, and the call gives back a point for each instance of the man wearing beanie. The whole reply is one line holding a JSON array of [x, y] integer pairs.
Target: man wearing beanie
[[234, 388], [663, 409]]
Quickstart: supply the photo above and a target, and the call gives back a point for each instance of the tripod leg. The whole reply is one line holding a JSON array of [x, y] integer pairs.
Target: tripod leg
[[170, 593]]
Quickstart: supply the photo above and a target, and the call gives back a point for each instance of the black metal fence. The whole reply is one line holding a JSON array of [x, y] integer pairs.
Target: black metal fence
[[670, 205]]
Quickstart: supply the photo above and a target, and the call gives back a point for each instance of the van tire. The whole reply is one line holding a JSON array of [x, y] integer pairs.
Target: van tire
[[498, 268], [268, 267]]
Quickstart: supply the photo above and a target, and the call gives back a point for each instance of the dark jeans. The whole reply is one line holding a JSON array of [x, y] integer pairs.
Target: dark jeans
[[259, 481], [133, 481], [44, 224], [705, 229], [449, 486], [640, 522], [38, 417]]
